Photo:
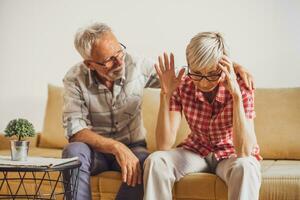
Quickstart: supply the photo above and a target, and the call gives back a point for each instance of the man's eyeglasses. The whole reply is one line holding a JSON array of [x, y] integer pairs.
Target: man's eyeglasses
[[111, 61], [210, 78]]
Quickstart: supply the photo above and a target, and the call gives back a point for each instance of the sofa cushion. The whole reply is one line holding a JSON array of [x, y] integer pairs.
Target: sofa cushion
[[277, 122], [53, 133]]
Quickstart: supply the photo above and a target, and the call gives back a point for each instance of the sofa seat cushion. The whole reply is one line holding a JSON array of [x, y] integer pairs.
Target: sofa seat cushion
[[199, 186], [187, 188], [281, 180]]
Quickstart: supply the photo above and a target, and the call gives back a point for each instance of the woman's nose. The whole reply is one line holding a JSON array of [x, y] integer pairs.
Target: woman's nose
[[204, 83]]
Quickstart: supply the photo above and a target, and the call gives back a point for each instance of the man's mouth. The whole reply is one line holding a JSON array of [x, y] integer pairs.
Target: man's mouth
[[117, 70]]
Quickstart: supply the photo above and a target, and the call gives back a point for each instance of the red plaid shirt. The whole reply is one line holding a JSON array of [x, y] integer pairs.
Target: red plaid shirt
[[211, 124]]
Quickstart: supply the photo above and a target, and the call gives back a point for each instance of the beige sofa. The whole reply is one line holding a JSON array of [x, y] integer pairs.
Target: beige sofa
[[277, 128]]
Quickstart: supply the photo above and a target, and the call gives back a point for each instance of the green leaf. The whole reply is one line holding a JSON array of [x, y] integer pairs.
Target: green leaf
[[21, 128]]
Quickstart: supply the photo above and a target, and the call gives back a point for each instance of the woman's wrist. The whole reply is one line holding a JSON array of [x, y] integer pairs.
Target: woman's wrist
[[237, 96], [164, 95]]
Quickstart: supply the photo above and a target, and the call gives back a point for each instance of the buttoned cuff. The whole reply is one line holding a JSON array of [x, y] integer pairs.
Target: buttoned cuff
[[75, 125]]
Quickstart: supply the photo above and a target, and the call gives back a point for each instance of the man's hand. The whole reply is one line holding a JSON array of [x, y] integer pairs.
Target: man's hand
[[245, 75], [166, 74], [129, 163]]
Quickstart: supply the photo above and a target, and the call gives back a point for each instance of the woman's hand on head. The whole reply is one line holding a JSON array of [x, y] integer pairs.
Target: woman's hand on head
[[231, 83]]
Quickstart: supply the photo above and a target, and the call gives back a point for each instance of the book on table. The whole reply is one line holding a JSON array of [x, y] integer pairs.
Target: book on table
[[36, 161]]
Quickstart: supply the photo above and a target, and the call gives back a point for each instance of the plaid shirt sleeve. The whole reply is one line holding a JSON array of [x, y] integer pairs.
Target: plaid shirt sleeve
[[74, 110], [175, 101], [248, 102]]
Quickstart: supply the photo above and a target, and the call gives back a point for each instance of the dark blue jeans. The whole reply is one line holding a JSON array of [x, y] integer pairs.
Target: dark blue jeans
[[96, 162]]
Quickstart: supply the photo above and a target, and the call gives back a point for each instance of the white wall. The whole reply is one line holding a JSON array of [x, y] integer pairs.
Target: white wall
[[36, 40]]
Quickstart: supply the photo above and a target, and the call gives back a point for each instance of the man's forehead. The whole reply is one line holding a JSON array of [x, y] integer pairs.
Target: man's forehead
[[105, 46]]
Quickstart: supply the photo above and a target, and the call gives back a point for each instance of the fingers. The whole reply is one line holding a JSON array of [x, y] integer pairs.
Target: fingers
[[252, 84], [245, 75], [166, 64], [224, 69], [180, 74], [161, 64], [124, 172], [249, 82], [166, 59], [158, 71], [136, 175], [172, 63], [246, 80], [122, 162], [226, 62], [129, 175]]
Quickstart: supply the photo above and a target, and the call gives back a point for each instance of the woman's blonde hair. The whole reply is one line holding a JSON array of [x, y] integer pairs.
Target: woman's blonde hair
[[205, 50]]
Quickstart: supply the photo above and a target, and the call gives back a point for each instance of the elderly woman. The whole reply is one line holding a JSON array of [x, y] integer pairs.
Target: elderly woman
[[219, 110]]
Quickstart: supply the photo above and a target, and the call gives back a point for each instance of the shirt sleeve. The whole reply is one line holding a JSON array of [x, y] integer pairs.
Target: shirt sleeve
[[248, 102], [149, 72], [75, 111], [175, 101]]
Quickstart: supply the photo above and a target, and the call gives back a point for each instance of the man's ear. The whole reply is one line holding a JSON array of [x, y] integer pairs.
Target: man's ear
[[88, 64]]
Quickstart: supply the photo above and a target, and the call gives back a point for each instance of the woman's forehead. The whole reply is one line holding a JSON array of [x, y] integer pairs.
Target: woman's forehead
[[205, 70]]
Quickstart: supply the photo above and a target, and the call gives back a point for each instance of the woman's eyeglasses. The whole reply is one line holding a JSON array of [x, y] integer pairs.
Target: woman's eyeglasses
[[199, 77]]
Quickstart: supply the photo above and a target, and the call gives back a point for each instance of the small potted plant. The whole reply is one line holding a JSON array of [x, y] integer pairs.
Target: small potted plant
[[21, 128]]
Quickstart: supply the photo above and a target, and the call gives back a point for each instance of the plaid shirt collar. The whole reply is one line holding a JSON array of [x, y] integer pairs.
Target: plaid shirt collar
[[220, 96]]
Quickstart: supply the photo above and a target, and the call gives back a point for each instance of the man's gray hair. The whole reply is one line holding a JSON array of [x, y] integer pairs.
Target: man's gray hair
[[205, 50], [85, 38]]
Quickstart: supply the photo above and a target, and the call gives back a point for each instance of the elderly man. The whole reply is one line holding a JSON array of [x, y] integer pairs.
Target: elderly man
[[102, 110]]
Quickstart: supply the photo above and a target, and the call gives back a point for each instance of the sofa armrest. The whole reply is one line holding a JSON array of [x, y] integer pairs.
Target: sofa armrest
[[5, 141]]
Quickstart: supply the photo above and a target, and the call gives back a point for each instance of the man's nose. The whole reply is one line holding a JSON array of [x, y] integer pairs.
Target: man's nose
[[118, 61]]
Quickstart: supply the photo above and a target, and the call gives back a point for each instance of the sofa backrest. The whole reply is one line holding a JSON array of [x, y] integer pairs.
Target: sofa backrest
[[277, 123], [52, 135]]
